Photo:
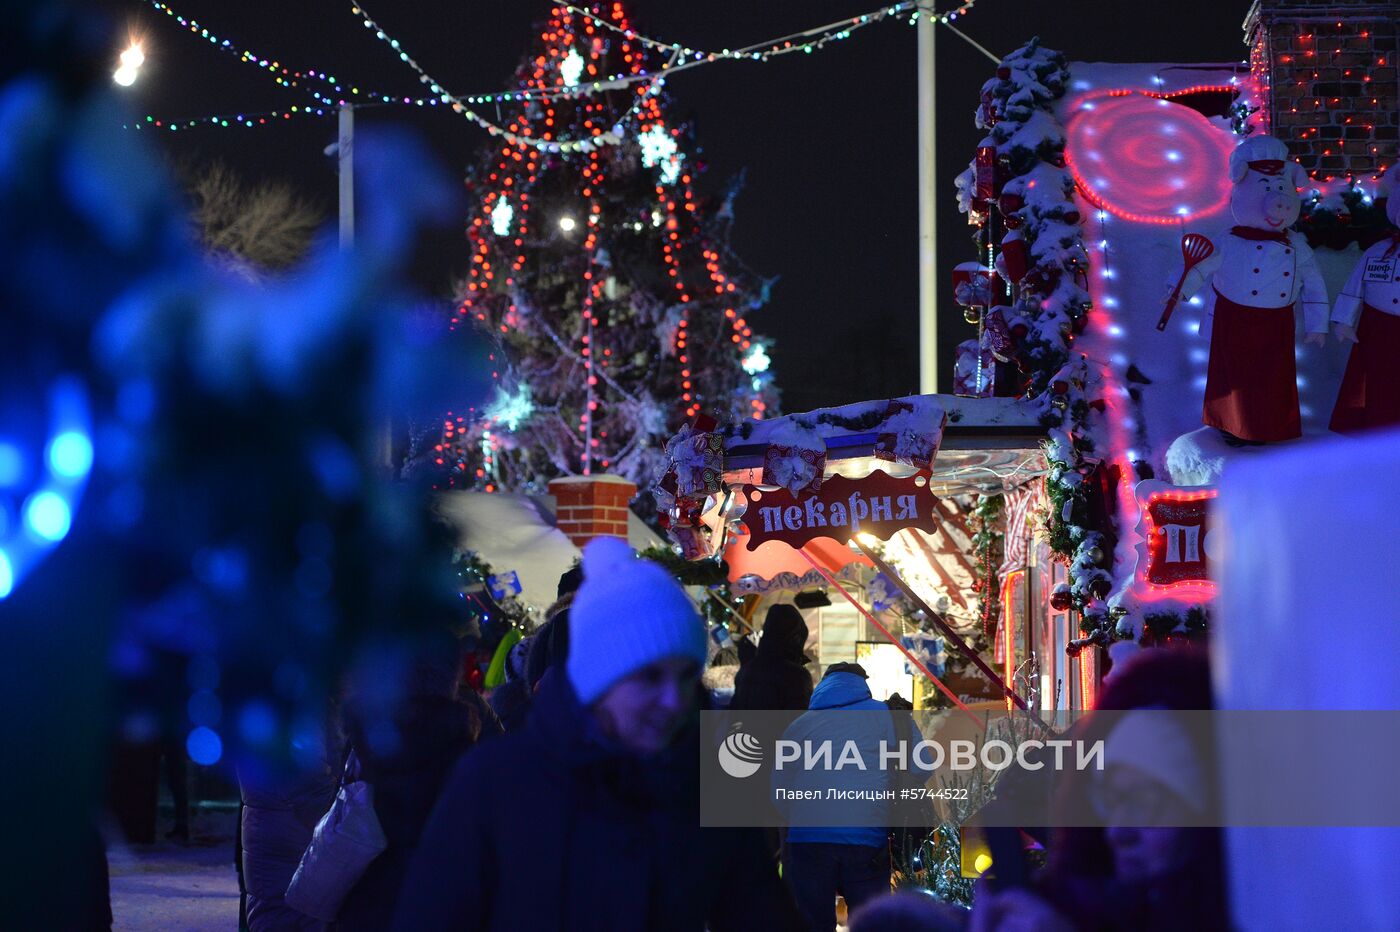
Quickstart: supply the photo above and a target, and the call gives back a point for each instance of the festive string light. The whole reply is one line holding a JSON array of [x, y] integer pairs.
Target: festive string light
[[264, 118], [680, 58], [227, 120], [571, 70], [282, 75], [545, 142], [1305, 92], [804, 41], [291, 78]]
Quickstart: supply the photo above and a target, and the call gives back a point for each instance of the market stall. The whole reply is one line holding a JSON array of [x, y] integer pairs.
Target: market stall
[[915, 518]]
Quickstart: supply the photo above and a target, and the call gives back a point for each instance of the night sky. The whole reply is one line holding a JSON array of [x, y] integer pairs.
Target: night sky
[[827, 139]]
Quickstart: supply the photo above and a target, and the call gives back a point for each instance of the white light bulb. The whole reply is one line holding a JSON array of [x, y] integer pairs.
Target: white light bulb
[[124, 76], [133, 57], [501, 216], [659, 148], [567, 223], [757, 360], [571, 68]]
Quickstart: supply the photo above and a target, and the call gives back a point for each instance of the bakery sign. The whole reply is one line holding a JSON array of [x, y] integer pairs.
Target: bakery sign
[[1174, 555], [841, 508]]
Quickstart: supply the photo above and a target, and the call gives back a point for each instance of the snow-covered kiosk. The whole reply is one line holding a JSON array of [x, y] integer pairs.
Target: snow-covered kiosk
[[916, 518]]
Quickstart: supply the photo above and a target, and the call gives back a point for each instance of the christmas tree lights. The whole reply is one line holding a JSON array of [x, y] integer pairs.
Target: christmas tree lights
[[608, 288], [1306, 73]]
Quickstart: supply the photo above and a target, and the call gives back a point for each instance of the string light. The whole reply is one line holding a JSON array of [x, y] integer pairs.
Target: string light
[[247, 120], [281, 74], [1308, 90], [291, 78], [544, 142], [253, 120], [680, 58], [1118, 423], [805, 41], [571, 72]]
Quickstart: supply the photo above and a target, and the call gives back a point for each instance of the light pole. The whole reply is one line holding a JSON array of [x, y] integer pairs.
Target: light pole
[[345, 151], [928, 196], [928, 215]]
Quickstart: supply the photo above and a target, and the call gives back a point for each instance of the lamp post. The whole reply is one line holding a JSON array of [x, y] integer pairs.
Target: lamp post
[[928, 215]]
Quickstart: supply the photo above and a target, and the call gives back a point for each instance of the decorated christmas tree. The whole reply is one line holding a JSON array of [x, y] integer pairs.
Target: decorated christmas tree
[[605, 280]]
